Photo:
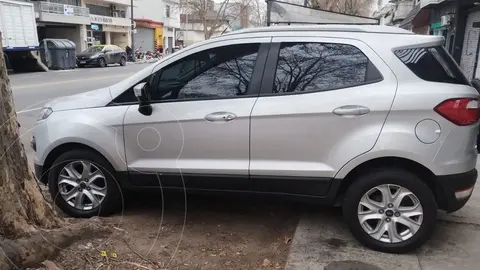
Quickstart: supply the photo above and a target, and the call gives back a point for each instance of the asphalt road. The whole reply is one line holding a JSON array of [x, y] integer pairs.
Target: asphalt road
[[32, 90]]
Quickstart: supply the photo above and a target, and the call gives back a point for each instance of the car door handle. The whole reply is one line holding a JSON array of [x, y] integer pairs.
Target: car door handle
[[351, 110], [220, 117]]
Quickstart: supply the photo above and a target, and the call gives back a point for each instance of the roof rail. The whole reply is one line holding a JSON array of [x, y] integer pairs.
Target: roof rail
[[326, 28]]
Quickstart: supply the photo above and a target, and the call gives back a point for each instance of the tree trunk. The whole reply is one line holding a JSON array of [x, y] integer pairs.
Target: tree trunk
[[26, 219], [22, 207]]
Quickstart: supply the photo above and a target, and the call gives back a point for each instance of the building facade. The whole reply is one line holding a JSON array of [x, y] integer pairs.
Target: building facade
[[157, 20], [85, 22], [467, 37]]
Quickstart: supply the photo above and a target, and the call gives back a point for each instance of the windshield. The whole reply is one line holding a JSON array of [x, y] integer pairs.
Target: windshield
[[95, 49]]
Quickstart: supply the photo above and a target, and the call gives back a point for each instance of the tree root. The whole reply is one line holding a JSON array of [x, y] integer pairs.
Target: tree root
[[32, 250]]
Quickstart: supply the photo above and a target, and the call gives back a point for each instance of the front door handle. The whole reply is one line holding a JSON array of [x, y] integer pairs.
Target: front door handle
[[351, 110], [220, 117]]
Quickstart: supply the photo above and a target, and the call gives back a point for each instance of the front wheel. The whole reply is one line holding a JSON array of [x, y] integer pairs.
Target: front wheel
[[123, 61], [102, 62], [390, 210], [82, 184]]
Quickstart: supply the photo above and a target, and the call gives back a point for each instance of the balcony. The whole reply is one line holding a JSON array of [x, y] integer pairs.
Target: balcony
[[424, 3], [402, 10], [59, 13]]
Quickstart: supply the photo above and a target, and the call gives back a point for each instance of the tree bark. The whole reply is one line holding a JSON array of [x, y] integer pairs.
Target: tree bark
[[22, 207], [26, 219]]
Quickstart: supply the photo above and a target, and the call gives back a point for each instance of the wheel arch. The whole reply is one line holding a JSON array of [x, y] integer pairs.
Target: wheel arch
[[426, 175], [63, 148]]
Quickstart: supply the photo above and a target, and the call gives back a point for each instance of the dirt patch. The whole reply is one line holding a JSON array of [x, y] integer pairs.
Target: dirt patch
[[199, 232]]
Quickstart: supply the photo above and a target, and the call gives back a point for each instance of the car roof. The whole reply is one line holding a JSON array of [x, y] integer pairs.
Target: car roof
[[378, 29]]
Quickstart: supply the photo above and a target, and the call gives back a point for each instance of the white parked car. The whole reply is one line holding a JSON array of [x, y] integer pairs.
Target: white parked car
[[374, 118]]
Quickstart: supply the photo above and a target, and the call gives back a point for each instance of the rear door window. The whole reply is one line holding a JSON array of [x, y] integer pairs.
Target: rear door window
[[432, 64]]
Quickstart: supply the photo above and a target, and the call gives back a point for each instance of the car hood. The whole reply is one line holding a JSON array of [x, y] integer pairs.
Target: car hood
[[88, 54], [91, 99]]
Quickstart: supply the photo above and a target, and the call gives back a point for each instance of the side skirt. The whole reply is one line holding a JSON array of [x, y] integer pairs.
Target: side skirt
[[318, 189]]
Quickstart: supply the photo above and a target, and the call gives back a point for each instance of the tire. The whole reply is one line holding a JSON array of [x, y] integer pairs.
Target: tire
[[394, 177], [81, 66], [112, 201], [102, 63], [123, 61]]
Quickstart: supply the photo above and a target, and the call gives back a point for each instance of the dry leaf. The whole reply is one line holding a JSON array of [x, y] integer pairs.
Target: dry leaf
[[266, 262], [51, 265]]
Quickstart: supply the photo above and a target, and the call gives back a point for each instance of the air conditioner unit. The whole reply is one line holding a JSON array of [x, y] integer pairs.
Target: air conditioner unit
[[445, 20]]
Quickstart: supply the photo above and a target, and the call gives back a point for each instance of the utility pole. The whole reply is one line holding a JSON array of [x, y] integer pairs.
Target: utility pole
[[132, 22], [269, 10]]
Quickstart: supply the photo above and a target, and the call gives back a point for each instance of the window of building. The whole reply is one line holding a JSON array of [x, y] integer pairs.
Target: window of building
[[311, 67], [432, 64], [216, 73], [105, 11], [66, 2], [167, 11]]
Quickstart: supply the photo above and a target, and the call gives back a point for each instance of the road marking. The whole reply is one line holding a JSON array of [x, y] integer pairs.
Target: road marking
[[29, 110], [65, 82]]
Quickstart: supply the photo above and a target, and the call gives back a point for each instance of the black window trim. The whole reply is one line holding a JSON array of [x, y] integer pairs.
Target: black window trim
[[272, 64], [253, 87], [445, 54]]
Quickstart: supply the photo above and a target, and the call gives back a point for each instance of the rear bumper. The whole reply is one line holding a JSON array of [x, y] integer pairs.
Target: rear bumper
[[454, 191]]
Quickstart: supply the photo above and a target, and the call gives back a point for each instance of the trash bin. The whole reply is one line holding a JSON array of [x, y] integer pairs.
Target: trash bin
[[71, 53], [58, 53]]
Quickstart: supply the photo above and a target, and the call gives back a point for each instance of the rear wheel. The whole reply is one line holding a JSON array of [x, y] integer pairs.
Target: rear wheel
[[102, 62], [390, 210], [82, 184], [123, 61]]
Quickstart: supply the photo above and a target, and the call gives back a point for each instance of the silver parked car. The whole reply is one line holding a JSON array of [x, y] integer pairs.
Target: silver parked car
[[373, 118]]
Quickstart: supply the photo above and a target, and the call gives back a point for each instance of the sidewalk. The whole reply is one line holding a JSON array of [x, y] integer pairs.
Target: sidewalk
[[322, 241]]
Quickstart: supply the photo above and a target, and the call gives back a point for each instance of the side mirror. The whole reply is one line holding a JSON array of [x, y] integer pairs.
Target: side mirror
[[143, 95]]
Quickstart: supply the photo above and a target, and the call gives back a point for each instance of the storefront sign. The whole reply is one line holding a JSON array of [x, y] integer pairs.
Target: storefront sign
[[104, 20], [68, 10], [95, 27], [100, 19], [435, 25]]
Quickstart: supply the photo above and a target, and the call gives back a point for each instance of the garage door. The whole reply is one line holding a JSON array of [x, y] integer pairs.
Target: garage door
[[470, 44], [144, 39]]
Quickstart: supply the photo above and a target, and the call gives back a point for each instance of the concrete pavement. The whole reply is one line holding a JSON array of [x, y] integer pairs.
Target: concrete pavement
[[322, 239]]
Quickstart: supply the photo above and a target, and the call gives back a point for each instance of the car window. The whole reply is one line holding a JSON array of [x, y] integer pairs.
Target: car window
[[215, 73], [309, 67], [116, 48], [96, 48], [432, 64]]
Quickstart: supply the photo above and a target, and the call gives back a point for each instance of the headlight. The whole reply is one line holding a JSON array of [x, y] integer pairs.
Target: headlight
[[45, 113], [94, 56]]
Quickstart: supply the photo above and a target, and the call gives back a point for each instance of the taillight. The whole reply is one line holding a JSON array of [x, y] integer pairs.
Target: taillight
[[460, 111]]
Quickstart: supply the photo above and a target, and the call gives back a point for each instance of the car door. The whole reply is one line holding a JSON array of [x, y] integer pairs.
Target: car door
[[323, 102], [198, 132], [109, 54]]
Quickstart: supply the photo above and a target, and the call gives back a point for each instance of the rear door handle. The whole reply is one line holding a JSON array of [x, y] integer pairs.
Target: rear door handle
[[220, 117], [351, 110]]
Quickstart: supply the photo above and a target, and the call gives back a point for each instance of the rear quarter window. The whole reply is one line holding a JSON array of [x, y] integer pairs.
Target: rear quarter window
[[432, 64]]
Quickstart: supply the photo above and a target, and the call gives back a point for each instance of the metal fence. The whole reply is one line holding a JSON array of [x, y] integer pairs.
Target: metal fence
[[55, 8]]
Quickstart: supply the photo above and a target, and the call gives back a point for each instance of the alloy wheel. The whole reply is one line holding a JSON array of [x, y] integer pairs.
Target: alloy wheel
[[390, 213], [82, 185]]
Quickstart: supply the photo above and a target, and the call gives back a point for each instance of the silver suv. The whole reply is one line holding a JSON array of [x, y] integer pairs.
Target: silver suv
[[376, 119]]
